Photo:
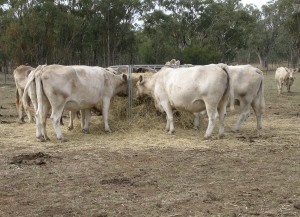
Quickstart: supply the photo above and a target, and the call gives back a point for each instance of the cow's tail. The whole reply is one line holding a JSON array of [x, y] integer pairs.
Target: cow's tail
[[17, 99], [40, 96], [260, 95], [29, 85], [229, 91]]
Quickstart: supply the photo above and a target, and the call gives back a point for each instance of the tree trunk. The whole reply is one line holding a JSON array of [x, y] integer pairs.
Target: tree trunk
[[263, 60]]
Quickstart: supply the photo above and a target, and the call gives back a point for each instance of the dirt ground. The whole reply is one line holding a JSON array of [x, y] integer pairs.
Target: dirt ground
[[139, 170]]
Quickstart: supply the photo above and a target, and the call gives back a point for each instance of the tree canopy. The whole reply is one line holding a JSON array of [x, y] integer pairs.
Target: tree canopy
[[109, 32]]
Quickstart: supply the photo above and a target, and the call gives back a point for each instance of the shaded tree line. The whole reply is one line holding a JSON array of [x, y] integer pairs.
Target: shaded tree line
[[106, 32]]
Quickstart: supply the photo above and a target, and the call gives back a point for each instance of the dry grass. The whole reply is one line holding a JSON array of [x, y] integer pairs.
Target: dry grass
[[139, 170]]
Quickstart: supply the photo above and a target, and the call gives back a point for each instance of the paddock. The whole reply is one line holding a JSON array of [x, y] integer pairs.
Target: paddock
[[140, 170]]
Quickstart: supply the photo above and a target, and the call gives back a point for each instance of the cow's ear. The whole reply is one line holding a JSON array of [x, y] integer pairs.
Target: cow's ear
[[141, 79], [124, 77]]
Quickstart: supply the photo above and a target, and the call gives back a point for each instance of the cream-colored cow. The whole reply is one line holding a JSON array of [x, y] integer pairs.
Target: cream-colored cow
[[73, 88], [284, 76], [191, 89], [248, 86], [21, 77]]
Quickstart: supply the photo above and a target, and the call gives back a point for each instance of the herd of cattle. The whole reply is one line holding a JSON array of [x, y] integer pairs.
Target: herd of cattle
[[211, 88]]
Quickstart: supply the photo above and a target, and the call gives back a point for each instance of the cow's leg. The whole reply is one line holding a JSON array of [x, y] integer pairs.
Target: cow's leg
[[19, 105], [27, 111], [222, 113], [288, 87], [105, 108], [85, 118], [212, 115], [41, 122], [258, 112], [167, 126], [46, 109], [71, 120], [279, 86], [55, 116], [170, 122], [61, 120], [82, 119], [245, 111], [38, 132], [197, 120]]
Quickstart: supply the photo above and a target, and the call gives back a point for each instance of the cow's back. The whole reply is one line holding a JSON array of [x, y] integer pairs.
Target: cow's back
[[21, 74], [80, 86], [185, 88], [281, 74], [245, 79]]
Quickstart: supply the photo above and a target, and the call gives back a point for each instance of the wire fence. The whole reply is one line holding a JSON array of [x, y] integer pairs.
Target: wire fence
[[6, 79]]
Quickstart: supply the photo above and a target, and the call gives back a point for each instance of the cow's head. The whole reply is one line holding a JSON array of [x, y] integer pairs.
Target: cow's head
[[141, 87], [122, 89], [292, 71], [291, 77]]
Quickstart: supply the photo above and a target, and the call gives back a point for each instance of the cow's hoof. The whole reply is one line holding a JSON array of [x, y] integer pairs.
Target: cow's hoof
[[207, 137], [63, 140], [70, 128], [222, 136], [108, 131], [171, 132], [40, 139], [85, 131]]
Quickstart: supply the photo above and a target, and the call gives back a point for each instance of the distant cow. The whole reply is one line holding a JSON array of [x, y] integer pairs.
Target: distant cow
[[248, 86], [284, 76], [21, 77], [190, 89], [174, 63], [73, 88]]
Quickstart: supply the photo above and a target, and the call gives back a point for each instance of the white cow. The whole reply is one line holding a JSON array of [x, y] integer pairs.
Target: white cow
[[73, 88], [284, 76], [248, 85], [30, 95], [21, 77], [190, 89], [84, 114]]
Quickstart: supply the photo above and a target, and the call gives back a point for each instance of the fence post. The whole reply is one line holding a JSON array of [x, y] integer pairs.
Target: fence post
[[129, 92]]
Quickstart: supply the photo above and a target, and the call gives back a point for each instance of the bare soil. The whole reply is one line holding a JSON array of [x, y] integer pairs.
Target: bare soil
[[139, 170]]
